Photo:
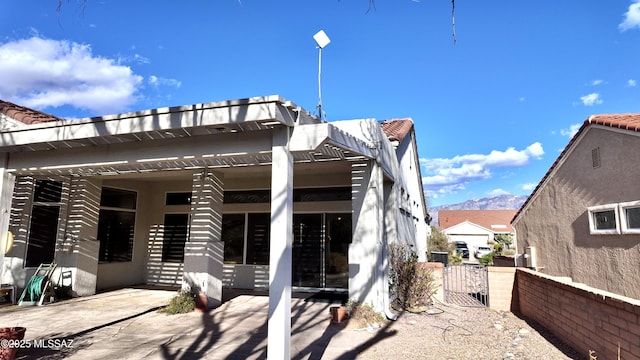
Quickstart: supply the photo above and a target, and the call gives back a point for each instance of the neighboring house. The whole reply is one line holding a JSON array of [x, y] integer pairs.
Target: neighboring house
[[475, 227], [252, 194], [583, 219]]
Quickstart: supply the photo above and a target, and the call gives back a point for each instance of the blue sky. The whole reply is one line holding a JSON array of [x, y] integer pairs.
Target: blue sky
[[492, 112]]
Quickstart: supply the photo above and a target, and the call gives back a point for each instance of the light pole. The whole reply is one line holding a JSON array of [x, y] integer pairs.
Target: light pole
[[322, 40]]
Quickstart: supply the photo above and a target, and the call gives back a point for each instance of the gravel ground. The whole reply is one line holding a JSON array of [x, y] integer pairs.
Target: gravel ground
[[451, 332]]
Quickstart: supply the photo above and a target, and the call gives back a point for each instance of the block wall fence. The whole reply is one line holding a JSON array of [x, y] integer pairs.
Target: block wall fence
[[590, 320]]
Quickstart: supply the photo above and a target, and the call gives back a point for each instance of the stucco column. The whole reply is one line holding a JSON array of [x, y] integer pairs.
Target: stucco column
[[365, 272], [279, 327], [7, 182], [80, 248], [204, 251]]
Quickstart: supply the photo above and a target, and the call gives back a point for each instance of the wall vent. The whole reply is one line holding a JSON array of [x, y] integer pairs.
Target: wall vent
[[595, 157]]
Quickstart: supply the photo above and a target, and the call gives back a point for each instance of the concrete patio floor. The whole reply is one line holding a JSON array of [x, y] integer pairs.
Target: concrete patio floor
[[125, 324]]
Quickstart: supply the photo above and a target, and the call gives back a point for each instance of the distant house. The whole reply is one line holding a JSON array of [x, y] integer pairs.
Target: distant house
[[475, 227], [583, 219], [251, 193]]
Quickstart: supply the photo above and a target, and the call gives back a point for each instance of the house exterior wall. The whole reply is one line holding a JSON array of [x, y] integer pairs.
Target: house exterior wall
[[471, 234], [556, 222]]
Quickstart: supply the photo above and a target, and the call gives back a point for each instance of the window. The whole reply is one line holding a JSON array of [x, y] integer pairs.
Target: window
[[45, 215], [116, 225], [178, 198], [176, 232], [233, 237], [603, 219], [256, 236], [630, 217]]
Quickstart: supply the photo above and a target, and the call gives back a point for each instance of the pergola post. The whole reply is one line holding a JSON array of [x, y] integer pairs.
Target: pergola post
[[280, 256]]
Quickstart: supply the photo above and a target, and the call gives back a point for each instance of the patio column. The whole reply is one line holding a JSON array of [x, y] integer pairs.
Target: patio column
[[79, 252], [367, 226], [279, 327], [7, 182], [204, 251]]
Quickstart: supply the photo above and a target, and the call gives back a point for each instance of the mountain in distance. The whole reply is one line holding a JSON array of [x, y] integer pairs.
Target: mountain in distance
[[500, 202]]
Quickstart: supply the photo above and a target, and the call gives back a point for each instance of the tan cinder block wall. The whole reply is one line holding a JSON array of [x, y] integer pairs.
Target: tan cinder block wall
[[501, 281], [586, 318], [436, 268]]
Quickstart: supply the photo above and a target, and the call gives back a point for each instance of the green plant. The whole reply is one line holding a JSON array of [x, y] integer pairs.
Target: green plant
[[504, 239], [412, 284], [455, 257], [182, 303], [364, 314], [438, 241], [487, 259], [498, 248]]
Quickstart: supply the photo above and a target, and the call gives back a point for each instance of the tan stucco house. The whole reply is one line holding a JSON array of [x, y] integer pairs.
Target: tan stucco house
[[583, 219], [251, 193]]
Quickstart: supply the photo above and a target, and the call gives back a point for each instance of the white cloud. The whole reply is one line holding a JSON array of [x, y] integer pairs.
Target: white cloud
[[591, 99], [529, 186], [596, 82], [40, 73], [631, 83], [631, 17], [158, 81], [572, 130], [445, 176]]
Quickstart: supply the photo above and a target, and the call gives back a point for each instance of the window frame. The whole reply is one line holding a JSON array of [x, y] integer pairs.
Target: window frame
[[60, 204], [133, 210], [592, 210], [624, 219]]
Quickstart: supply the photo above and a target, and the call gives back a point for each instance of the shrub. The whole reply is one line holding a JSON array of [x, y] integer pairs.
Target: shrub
[[184, 302], [411, 284], [364, 314], [487, 259], [498, 248]]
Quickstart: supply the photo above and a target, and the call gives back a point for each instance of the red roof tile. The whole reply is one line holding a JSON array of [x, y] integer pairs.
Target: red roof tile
[[498, 221], [397, 129], [628, 121], [25, 115]]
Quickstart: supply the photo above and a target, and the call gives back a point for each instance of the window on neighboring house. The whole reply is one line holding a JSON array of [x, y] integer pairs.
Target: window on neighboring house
[[45, 216], [603, 219], [116, 224], [176, 232], [630, 217]]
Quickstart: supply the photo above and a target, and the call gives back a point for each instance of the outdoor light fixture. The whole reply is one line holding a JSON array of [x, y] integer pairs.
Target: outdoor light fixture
[[322, 40]]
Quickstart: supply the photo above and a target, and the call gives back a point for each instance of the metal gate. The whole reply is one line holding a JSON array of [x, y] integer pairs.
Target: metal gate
[[466, 285]]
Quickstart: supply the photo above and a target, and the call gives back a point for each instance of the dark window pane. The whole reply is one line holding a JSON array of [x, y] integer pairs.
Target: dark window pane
[[42, 235], [233, 237], [181, 198], [307, 250], [633, 218], [322, 194], [48, 191], [116, 198], [115, 232], [337, 240], [605, 220], [247, 197], [258, 234], [176, 228]]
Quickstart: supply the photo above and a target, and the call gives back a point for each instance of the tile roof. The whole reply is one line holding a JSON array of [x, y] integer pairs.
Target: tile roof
[[498, 221], [397, 129], [629, 121], [24, 114]]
